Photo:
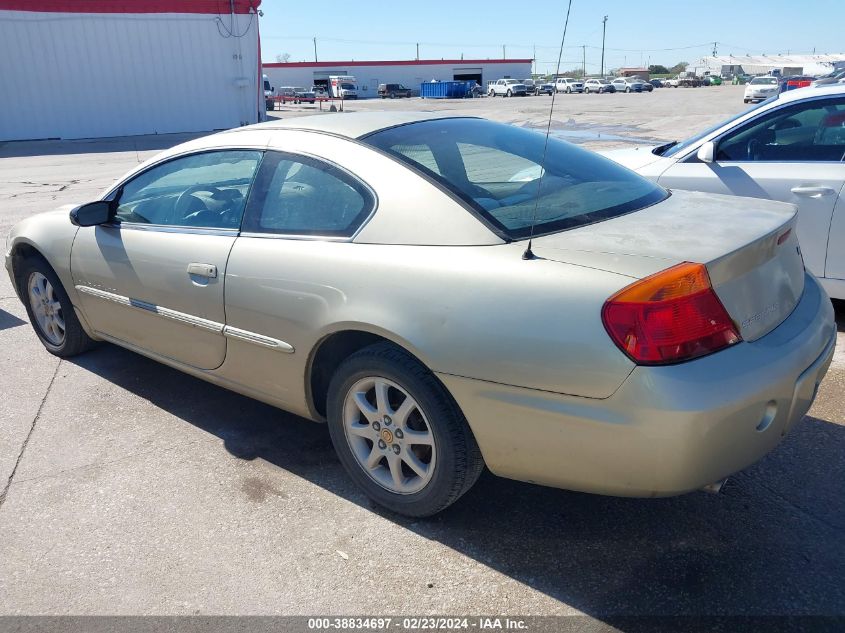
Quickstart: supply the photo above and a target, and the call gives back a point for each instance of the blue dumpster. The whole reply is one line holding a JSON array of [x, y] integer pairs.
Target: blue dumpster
[[444, 90]]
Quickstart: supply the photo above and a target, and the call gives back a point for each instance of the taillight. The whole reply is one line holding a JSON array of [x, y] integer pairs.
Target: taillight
[[669, 317]]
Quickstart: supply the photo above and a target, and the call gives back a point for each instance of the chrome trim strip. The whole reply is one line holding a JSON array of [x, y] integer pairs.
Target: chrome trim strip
[[257, 339], [167, 313], [300, 237], [166, 228], [189, 319]]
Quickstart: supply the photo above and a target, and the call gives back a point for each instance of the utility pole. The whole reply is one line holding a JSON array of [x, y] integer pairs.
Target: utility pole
[[418, 51], [603, 30], [583, 61], [315, 49], [504, 53], [535, 59]]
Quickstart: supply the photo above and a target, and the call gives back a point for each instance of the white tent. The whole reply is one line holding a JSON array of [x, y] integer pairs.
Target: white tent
[[761, 64]]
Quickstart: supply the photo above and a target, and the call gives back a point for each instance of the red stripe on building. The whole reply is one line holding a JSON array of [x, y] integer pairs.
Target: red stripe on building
[[219, 7], [402, 62]]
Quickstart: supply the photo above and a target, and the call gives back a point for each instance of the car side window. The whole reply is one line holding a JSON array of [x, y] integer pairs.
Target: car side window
[[207, 190], [807, 132], [298, 195]]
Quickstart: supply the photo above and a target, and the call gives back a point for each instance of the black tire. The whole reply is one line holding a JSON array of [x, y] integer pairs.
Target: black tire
[[392, 95], [509, 94], [76, 341], [458, 459]]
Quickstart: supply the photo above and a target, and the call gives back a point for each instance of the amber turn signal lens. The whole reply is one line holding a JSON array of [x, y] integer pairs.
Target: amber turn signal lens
[[669, 317]]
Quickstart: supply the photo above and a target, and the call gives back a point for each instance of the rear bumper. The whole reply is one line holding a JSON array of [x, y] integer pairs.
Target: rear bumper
[[666, 430]]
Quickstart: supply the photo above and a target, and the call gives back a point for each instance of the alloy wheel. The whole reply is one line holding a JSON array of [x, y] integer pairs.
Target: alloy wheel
[[46, 308], [389, 435]]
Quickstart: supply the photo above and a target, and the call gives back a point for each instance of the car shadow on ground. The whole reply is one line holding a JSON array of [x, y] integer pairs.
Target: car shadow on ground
[[56, 147], [8, 320], [770, 543]]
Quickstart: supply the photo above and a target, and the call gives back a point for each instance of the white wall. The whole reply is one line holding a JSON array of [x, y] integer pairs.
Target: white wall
[[82, 75], [409, 75]]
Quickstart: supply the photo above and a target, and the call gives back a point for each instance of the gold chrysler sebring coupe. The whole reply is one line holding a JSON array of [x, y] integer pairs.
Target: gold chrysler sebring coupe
[[449, 293]]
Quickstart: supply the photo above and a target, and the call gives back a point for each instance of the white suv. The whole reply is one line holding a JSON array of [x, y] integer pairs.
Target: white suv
[[507, 88], [568, 85]]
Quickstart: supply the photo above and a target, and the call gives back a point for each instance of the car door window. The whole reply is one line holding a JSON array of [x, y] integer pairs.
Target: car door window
[[807, 132], [304, 196], [207, 190]]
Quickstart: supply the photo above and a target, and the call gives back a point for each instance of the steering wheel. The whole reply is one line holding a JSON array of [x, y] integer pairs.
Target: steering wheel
[[182, 207], [753, 149]]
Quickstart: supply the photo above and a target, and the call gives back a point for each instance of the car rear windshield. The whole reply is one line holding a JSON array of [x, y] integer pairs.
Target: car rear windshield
[[496, 169]]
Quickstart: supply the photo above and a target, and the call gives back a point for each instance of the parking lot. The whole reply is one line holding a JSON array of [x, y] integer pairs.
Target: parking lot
[[135, 489]]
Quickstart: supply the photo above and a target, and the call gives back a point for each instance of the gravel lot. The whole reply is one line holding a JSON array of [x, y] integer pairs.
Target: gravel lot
[[134, 489]]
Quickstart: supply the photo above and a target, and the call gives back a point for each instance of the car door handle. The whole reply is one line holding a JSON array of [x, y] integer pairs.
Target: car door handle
[[203, 270], [812, 192]]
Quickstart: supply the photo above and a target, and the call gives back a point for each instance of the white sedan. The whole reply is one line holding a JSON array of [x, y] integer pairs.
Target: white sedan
[[788, 148], [760, 88]]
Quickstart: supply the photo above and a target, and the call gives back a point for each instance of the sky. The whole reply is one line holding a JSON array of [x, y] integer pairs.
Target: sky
[[639, 32]]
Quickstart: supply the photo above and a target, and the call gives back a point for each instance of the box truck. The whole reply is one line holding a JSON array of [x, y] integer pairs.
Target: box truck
[[343, 87]]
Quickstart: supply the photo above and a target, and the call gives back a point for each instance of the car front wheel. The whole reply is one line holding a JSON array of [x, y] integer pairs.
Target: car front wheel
[[50, 310], [399, 434]]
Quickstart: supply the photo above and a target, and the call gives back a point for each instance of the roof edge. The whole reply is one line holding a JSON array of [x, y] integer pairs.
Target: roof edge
[[216, 7], [395, 62]]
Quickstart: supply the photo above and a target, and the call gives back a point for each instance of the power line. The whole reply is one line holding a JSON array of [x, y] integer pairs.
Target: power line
[[466, 45]]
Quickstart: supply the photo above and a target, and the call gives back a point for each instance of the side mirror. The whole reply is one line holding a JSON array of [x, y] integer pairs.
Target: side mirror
[[707, 152], [92, 214]]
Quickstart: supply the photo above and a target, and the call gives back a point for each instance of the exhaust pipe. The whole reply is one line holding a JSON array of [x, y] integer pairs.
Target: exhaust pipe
[[715, 487]]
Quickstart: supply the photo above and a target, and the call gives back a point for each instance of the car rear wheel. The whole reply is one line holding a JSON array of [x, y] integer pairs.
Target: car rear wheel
[[399, 434], [50, 310]]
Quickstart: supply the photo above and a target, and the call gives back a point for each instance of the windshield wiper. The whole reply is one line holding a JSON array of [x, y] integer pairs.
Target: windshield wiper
[[661, 149]]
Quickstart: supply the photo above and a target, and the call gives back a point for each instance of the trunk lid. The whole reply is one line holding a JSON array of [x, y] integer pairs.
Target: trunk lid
[[750, 248]]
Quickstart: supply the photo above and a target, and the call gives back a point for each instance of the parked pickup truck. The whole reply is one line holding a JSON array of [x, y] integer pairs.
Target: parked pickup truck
[[507, 88]]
